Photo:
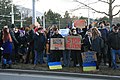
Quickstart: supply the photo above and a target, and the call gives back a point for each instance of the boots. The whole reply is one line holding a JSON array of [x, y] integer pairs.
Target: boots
[[4, 66]]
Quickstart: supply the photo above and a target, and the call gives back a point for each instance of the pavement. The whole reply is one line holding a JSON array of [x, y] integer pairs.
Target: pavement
[[16, 76], [64, 74], [103, 73]]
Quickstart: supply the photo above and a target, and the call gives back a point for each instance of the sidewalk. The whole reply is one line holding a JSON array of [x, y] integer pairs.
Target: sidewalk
[[104, 70], [64, 74]]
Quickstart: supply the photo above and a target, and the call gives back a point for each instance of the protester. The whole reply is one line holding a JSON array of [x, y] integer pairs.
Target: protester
[[66, 55], [1, 44], [87, 41], [23, 44], [39, 46], [56, 54], [104, 35], [7, 48], [30, 35], [15, 41], [97, 45], [16, 45], [76, 54], [114, 43]]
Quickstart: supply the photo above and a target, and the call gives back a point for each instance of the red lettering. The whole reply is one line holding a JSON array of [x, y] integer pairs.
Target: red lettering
[[68, 45], [68, 40]]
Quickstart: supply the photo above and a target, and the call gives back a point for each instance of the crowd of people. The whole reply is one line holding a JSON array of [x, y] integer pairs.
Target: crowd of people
[[29, 45]]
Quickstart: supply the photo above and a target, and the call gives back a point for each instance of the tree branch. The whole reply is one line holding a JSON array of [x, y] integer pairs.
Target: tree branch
[[115, 6], [116, 13], [103, 1], [113, 1], [91, 8], [81, 7]]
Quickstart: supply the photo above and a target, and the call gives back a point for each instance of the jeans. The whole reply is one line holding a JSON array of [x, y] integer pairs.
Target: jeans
[[66, 58], [114, 52], [30, 49], [49, 58], [38, 57], [6, 58]]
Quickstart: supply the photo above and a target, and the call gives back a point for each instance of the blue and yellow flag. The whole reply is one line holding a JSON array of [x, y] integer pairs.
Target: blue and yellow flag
[[54, 65]]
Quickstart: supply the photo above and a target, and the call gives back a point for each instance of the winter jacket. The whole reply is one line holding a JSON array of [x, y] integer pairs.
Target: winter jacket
[[57, 36], [87, 42], [114, 40], [97, 44], [39, 42], [7, 46], [104, 34]]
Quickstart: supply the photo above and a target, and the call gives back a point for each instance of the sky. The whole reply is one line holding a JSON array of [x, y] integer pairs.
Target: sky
[[60, 6]]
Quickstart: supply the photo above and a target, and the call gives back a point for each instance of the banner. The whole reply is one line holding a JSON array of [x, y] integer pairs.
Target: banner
[[73, 42], [89, 61], [64, 32], [57, 44]]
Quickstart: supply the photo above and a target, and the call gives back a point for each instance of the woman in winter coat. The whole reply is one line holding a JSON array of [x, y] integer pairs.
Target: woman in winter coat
[[97, 44], [7, 47]]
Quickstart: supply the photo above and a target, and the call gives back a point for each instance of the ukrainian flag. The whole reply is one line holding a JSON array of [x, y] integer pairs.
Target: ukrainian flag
[[54, 65], [89, 66]]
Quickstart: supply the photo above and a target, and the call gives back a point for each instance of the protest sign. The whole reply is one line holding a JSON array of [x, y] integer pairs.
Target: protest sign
[[73, 42], [57, 44], [89, 61], [64, 32]]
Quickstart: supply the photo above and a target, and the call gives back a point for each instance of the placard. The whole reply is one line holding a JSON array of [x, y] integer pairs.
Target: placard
[[73, 42], [89, 61], [57, 44]]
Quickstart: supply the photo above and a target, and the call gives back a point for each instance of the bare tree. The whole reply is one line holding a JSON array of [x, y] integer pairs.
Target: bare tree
[[110, 12]]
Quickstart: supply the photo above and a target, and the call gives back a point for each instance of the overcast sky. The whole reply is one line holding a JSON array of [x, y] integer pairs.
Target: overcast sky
[[60, 6]]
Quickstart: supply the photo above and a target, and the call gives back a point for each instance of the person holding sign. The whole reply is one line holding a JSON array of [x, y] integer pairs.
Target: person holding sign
[[56, 54], [76, 54]]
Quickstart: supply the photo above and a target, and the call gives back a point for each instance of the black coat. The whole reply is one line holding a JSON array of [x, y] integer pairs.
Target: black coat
[[114, 40], [96, 45], [39, 42]]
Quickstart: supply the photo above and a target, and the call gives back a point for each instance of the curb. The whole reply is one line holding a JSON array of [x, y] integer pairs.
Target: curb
[[82, 75]]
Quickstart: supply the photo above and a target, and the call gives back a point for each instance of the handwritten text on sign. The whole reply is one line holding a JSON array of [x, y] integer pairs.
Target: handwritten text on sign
[[57, 44], [73, 43], [89, 56]]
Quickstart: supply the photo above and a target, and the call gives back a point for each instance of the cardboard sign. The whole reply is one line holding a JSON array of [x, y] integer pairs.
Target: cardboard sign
[[73, 42], [80, 23], [57, 44], [55, 65], [89, 61], [89, 56]]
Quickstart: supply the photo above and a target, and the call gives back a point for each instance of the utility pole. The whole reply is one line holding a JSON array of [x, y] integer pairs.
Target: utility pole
[[44, 21], [21, 20], [88, 14], [12, 13], [33, 15], [59, 23]]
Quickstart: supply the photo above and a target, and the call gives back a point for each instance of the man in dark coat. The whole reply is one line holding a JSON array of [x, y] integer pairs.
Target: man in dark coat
[[114, 43], [39, 46]]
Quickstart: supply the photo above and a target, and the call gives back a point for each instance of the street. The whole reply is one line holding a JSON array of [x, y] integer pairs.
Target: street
[[12, 76]]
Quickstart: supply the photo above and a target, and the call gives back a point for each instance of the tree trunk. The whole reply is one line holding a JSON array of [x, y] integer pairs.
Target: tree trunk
[[110, 13]]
